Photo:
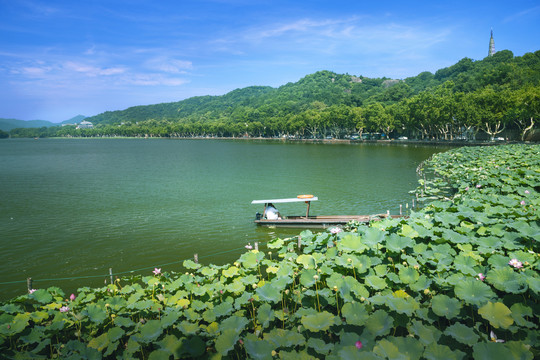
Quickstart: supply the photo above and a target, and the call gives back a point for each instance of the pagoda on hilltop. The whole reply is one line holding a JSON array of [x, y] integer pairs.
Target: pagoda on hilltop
[[491, 45]]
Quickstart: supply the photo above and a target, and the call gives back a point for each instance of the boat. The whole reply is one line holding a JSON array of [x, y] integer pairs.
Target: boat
[[308, 220]]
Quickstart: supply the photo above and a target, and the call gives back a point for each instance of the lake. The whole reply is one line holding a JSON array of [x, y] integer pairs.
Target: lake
[[72, 208]]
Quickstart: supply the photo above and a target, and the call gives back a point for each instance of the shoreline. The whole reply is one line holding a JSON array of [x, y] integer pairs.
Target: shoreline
[[454, 143]]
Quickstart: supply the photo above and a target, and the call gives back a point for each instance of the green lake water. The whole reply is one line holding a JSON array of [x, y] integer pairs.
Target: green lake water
[[77, 207]]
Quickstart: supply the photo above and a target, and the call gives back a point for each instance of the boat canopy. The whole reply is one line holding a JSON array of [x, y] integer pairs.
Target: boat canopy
[[289, 200]]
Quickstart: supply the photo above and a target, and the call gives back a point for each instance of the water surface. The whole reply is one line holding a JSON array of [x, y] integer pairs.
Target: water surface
[[77, 207]]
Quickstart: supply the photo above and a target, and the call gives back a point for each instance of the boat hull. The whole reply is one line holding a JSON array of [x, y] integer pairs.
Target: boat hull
[[322, 221]]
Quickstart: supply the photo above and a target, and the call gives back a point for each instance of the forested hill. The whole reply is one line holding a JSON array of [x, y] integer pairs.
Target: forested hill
[[496, 96], [328, 88]]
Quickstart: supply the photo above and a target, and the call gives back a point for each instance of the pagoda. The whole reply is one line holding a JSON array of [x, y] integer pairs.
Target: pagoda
[[491, 45]]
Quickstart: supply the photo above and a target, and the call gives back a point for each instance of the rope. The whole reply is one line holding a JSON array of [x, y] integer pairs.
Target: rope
[[124, 272]]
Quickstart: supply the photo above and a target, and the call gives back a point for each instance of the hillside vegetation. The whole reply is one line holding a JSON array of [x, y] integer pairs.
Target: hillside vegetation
[[467, 100], [457, 280]]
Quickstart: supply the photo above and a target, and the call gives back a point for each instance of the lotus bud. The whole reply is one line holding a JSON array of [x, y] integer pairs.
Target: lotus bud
[[254, 286], [426, 291]]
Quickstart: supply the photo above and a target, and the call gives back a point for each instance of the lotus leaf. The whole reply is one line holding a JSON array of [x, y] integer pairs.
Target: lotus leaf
[[443, 305], [319, 345], [352, 353], [498, 314], [498, 261], [520, 312], [188, 328], [473, 291], [351, 243], [16, 325], [402, 305], [318, 322], [375, 282], [408, 275], [183, 303], [99, 343], [465, 264], [191, 314], [269, 293], [373, 236], [38, 316], [242, 300], [462, 333], [230, 272], [226, 341], [95, 313], [427, 334], [223, 309], [379, 323], [150, 331], [423, 283], [519, 350], [10, 308], [257, 348], [307, 260], [506, 279], [134, 298], [235, 323], [276, 244], [355, 313], [408, 346], [435, 351], [534, 284], [208, 272], [307, 277], [387, 350], [285, 338], [42, 296], [169, 319], [251, 259], [491, 351], [189, 264], [526, 230], [159, 355], [265, 315], [397, 243]]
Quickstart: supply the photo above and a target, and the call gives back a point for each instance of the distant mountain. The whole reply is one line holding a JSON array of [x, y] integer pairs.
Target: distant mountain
[[9, 124]]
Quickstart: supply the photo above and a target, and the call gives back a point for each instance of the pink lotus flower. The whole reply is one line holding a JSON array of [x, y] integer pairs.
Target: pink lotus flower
[[335, 230], [72, 297], [467, 188], [527, 192], [64, 309], [515, 263], [32, 291], [358, 345], [249, 247], [480, 277], [157, 271], [522, 202], [478, 186]]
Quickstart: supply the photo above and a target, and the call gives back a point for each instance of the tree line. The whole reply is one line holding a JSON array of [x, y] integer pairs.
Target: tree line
[[499, 95]]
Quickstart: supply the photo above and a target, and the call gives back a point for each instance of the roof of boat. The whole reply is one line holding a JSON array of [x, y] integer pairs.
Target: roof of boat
[[289, 200]]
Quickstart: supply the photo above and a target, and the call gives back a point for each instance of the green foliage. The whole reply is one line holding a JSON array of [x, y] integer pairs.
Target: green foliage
[[497, 93], [457, 279]]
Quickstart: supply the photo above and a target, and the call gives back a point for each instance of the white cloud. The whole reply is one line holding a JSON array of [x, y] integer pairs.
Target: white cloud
[[155, 80], [93, 71], [168, 65]]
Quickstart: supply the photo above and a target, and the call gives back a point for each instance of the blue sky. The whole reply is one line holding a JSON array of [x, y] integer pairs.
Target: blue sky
[[63, 58]]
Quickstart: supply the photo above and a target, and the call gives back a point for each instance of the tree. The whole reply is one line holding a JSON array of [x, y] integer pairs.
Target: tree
[[493, 106]]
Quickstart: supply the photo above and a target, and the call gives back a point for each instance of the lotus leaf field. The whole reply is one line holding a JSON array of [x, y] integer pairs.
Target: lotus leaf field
[[458, 279]]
